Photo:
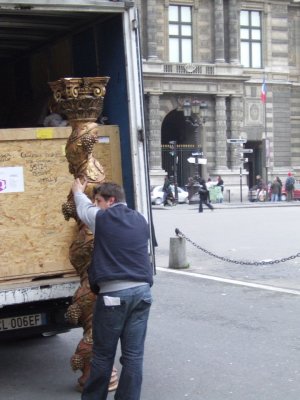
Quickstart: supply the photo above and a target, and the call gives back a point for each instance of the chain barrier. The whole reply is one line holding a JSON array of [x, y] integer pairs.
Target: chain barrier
[[271, 262]]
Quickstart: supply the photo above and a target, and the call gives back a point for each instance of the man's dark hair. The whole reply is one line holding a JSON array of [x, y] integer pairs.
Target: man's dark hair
[[110, 189]]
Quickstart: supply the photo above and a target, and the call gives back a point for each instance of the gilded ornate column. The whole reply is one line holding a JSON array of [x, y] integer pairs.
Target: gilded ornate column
[[81, 100], [234, 7], [219, 31], [236, 118], [221, 143]]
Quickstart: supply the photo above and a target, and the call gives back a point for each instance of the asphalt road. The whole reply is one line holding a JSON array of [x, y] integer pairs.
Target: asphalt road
[[207, 340], [242, 234], [214, 341]]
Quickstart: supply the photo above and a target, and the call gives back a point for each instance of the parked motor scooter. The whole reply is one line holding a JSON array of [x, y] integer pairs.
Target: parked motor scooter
[[170, 199]]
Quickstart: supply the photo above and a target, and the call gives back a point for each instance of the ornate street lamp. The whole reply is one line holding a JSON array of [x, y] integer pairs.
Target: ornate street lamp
[[173, 148], [196, 106], [187, 108], [195, 114]]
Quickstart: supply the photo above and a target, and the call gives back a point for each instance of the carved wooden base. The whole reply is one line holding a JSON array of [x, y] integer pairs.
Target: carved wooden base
[[113, 384], [80, 313]]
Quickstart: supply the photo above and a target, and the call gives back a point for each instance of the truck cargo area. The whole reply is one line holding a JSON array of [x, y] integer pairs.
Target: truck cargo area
[[42, 42]]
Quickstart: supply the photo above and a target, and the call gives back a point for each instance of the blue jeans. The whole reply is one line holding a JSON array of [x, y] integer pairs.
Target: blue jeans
[[127, 322]]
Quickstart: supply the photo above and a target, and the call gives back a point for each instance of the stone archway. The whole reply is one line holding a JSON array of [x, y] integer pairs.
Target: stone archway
[[175, 128]]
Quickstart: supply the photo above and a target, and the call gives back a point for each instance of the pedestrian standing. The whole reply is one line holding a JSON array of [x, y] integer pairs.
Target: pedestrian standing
[[289, 186], [121, 274], [220, 183], [203, 196], [280, 187], [189, 187], [275, 190]]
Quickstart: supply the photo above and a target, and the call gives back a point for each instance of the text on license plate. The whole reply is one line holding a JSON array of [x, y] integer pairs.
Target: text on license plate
[[20, 322]]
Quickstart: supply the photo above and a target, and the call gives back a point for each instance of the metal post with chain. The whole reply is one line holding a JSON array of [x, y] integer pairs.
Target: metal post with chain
[[240, 262]]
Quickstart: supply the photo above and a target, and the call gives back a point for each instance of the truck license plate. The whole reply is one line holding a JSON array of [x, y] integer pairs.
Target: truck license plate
[[20, 322]]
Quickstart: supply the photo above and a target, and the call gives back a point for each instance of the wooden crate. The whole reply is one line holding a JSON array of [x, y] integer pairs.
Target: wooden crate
[[34, 237]]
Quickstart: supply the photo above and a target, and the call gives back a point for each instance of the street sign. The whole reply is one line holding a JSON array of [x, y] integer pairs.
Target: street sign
[[237, 141], [246, 151], [197, 154], [193, 160]]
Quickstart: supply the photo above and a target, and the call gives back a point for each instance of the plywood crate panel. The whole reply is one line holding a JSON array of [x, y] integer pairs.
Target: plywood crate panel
[[34, 237]]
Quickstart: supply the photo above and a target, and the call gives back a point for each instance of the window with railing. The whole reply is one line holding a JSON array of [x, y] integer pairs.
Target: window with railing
[[180, 34], [251, 39]]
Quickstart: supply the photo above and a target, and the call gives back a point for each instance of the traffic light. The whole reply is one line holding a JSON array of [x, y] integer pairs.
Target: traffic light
[[173, 148]]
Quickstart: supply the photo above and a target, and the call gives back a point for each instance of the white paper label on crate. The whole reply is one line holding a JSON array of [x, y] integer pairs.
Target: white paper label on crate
[[11, 179], [103, 139]]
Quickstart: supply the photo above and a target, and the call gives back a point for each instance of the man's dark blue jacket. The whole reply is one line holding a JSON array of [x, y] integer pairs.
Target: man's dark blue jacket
[[120, 247]]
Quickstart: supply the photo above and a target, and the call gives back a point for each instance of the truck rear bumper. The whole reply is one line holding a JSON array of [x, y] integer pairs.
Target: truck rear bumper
[[37, 307], [46, 289], [35, 318]]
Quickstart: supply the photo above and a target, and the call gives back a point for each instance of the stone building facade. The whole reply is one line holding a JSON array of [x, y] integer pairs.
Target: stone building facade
[[220, 52]]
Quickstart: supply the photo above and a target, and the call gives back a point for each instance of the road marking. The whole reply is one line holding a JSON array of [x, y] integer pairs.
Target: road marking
[[231, 281]]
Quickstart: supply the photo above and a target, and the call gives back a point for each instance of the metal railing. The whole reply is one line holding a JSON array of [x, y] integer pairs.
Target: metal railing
[[189, 69]]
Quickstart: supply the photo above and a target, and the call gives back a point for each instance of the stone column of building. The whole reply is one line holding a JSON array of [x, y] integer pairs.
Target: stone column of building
[[219, 31], [234, 6], [151, 29], [236, 118], [156, 171], [221, 143]]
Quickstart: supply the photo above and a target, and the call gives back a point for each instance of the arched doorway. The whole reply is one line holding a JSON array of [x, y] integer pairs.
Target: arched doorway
[[255, 161], [175, 128]]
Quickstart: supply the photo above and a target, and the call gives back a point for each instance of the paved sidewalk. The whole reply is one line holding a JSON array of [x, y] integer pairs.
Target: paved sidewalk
[[239, 232], [258, 204], [245, 204]]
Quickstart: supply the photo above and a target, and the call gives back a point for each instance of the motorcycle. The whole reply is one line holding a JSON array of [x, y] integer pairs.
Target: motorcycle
[[170, 199]]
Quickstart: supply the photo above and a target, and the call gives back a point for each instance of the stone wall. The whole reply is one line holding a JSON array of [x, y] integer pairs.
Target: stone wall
[[216, 43]]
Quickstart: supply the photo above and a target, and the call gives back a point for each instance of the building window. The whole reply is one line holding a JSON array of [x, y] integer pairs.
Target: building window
[[251, 39], [180, 34]]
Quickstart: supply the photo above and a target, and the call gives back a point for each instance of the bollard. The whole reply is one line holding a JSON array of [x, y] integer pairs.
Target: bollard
[[228, 195], [177, 253]]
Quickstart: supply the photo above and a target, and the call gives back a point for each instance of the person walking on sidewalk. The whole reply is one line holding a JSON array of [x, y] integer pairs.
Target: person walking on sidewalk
[[203, 196], [121, 274]]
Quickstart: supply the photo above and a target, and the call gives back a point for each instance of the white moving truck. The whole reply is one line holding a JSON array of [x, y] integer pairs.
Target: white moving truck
[[42, 41]]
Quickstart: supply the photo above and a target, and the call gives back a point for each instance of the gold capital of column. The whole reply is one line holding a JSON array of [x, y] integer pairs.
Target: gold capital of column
[[80, 98]]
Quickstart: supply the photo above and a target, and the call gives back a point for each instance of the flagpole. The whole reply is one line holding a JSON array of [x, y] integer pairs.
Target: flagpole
[[266, 150]]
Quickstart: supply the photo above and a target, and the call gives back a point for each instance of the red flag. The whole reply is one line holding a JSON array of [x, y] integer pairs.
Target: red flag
[[263, 95]]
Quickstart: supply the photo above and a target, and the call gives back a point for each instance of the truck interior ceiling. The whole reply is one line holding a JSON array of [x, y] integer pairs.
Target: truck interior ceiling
[[41, 46], [38, 47]]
